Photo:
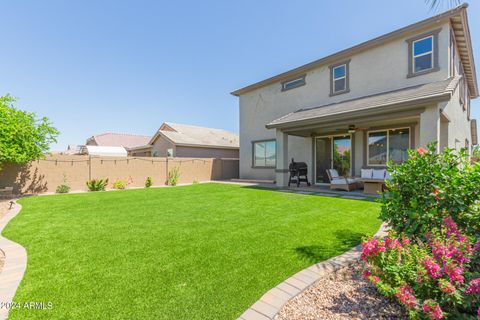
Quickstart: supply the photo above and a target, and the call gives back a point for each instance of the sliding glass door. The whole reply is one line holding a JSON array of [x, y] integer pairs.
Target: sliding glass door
[[333, 152]]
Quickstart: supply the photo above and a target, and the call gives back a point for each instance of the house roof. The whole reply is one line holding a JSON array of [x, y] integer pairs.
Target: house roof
[[415, 94], [188, 135], [458, 19], [110, 139]]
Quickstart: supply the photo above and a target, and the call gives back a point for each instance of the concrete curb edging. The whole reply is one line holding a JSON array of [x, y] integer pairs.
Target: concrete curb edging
[[273, 301], [15, 264]]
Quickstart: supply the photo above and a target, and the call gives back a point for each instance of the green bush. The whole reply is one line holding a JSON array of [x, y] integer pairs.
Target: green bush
[[97, 184], [119, 184], [173, 176], [430, 262], [63, 188], [430, 186], [148, 182]]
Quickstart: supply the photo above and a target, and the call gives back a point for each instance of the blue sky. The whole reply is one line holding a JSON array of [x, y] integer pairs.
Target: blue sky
[[127, 66]]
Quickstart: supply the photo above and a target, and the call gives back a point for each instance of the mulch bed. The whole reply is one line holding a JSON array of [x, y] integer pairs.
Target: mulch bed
[[344, 294]]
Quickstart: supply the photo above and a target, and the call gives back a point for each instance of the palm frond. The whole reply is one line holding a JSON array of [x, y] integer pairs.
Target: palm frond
[[437, 5]]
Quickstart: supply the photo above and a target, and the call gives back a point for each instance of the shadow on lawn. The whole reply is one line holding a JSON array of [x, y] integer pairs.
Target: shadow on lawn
[[345, 239]]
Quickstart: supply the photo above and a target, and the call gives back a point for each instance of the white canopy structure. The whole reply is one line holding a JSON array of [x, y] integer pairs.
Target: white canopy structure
[[104, 151]]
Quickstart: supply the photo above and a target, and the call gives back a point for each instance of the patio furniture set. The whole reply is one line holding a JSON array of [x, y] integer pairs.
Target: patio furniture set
[[371, 180]]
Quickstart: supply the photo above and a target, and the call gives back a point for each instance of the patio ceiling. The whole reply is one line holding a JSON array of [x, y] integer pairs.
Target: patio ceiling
[[403, 103]]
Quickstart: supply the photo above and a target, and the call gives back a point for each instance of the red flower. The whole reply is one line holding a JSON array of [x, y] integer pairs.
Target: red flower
[[366, 274], [422, 151]]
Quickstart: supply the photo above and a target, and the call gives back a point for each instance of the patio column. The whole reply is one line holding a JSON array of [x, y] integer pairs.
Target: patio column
[[281, 170], [430, 126]]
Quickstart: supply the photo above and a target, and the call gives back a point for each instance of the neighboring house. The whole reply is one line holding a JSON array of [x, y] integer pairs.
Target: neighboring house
[[374, 100], [104, 151], [181, 140], [73, 149], [110, 139]]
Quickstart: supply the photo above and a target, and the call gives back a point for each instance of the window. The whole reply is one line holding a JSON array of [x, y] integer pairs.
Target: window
[[170, 152], [264, 153], [293, 83], [339, 74], [388, 145], [423, 53], [452, 53]]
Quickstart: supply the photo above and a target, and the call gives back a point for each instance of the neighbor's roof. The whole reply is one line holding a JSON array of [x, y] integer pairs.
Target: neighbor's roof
[[458, 19], [188, 135], [104, 151], [415, 94], [126, 140]]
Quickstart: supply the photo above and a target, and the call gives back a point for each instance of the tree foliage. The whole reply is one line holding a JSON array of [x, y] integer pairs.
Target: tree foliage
[[23, 136]]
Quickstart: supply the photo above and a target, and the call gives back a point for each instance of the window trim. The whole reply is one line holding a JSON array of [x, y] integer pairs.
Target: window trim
[[332, 67], [387, 130], [301, 83], [411, 57], [253, 153]]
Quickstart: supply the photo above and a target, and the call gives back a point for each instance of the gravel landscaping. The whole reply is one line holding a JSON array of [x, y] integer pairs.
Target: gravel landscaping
[[341, 295]]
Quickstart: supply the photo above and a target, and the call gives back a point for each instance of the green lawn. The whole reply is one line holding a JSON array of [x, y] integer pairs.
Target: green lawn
[[206, 251]]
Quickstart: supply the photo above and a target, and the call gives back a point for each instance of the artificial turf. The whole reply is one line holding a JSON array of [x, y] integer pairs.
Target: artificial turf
[[206, 251]]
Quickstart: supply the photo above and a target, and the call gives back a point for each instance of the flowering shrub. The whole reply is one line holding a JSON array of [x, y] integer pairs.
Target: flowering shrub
[[433, 279], [430, 186]]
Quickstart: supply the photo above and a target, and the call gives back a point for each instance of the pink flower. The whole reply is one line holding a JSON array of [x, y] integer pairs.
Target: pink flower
[[421, 150], [405, 295], [405, 241], [450, 225], [432, 309], [433, 269], [454, 273], [392, 244], [473, 287], [371, 248], [478, 313]]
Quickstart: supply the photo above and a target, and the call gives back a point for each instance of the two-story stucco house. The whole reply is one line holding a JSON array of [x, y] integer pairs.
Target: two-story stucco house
[[364, 106]]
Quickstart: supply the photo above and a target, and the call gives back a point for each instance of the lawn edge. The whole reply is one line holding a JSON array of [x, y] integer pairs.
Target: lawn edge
[[15, 264], [270, 304]]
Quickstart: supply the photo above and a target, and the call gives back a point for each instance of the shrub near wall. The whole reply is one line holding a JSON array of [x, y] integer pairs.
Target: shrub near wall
[[430, 262]]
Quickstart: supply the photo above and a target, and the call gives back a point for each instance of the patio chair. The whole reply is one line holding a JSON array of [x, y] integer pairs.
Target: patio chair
[[338, 182]]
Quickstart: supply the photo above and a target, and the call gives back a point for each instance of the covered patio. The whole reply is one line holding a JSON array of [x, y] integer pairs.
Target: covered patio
[[362, 133]]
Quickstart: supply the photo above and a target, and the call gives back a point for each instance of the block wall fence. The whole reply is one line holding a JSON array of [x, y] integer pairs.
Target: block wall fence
[[46, 174]]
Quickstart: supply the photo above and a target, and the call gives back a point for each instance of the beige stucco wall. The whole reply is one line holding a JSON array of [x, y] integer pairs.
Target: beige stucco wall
[[459, 125], [160, 146], [374, 71]]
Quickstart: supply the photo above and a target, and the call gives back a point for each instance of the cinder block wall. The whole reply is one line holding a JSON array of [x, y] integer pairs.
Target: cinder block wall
[[46, 174]]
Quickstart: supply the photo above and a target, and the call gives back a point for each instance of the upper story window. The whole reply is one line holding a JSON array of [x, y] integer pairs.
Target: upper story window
[[293, 83], [339, 78], [423, 53]]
